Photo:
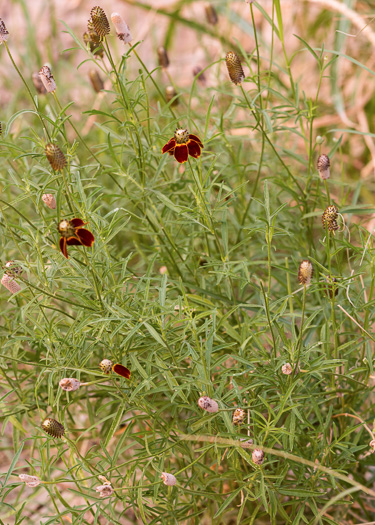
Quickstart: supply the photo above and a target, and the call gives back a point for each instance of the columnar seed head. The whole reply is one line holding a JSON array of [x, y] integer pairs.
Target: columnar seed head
[[323, 166], [3, 32], [287, 369], [47, 78], [170, 93], [106, 366], [305, 272], [258, 456], [69, 384], [238, 416], [53, 427], [55, 156], [49, 200], [100, 21], [31, 481], [122, 28], [329, 217], [10, 284], [96, 80], [211, 14], [181, 135], [163, 57], [38, 84], [105, 490], [208, 404], [234, 67], [13, 270], [168, 479]]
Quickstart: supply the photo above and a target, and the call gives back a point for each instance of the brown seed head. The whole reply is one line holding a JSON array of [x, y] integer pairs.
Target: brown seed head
[[46, 77], [106, 366], [305, 272], [323, 166], [329, 217], [211, 14], [100, 21], [208, 404], [93, 40], [238, 416], [163, 57], [96, 80], [55, 156], [258, 456], [234, 67], [3, 32], [53, 427], [168, 479], [38, 84]]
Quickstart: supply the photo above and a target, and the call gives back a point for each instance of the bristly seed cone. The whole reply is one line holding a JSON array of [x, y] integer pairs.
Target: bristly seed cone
[[106, 366], [305, 272], [236, 73], [238, 416], [55, 156], [323, 166], [100, 21], [53, 427], [4, 33], [329, 217]]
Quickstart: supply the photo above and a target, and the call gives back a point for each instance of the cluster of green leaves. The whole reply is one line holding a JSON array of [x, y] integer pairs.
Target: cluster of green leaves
[[191, 284]]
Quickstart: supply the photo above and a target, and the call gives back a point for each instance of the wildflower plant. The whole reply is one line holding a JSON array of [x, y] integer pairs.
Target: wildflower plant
[[208, 345]]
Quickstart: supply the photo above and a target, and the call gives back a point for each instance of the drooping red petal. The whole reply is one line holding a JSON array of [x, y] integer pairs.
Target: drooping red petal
[[85, 236], [169, 145], [77, 223], [194, 149], [121, 370], [197, 139], [181, 153], [73, 241], [62, 243]]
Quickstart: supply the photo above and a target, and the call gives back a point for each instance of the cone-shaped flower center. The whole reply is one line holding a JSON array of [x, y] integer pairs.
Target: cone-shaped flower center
[[181, 136]]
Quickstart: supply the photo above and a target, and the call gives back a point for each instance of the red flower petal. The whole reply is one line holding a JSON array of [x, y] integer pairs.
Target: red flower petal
[[85, 236], [169, 145], [194, 149], [121, 370], [181, 153], [197, 139], [77, 223], [73, 241], [62, 243]]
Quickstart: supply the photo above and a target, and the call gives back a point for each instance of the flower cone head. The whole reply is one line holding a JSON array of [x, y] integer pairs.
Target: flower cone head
[[238, 416], [122, 28], [235, 71], [93, 40], [106, 366], [323, 166], [49, 200], [100, 22], [53, 427], [4, 33], [46, 77], [208, 404], [329, 218], [168, 479], [69, 384], [305, 272], [55, 157], [257, 456], [38, 84]]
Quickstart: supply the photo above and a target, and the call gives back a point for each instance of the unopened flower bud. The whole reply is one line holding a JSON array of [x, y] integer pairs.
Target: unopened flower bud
[[236, 73], [69, 384], [96, 80], [168, 479], [238, 416], [106, 366], [31, 481], [323, 167], [287, 369], [104, 491], [208, 404], [319, 139], [10, 284], [49, 200], [211, 15], [100, 22], [163, 270], [47, 78], [55, 156], [38, 84], [305, 272], [122, 28], [163, 57], [257, 456], [53, 427], [170, 93], [4, 33]]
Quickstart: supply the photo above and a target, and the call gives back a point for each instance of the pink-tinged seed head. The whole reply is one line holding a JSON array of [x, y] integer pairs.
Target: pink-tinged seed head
[[4, 33], [287, 369], [258, 456], [323, 166], [31, 481], [105, 490], [49, 200], [47, 78], [10, 284], [122, 28], [69, 384], [168, 479], [208, 404]]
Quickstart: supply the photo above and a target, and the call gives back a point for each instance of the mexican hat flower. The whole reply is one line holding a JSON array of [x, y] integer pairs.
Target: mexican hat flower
[[183, 144], [72, 234]]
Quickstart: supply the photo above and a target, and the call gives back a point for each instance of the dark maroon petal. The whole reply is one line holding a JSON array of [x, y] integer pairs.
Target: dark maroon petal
[[181, 153], [76, 223], [73, 241], [169, 145], [197, 139], [121, 370], [194, 149], [63, 249], [85, 236]]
